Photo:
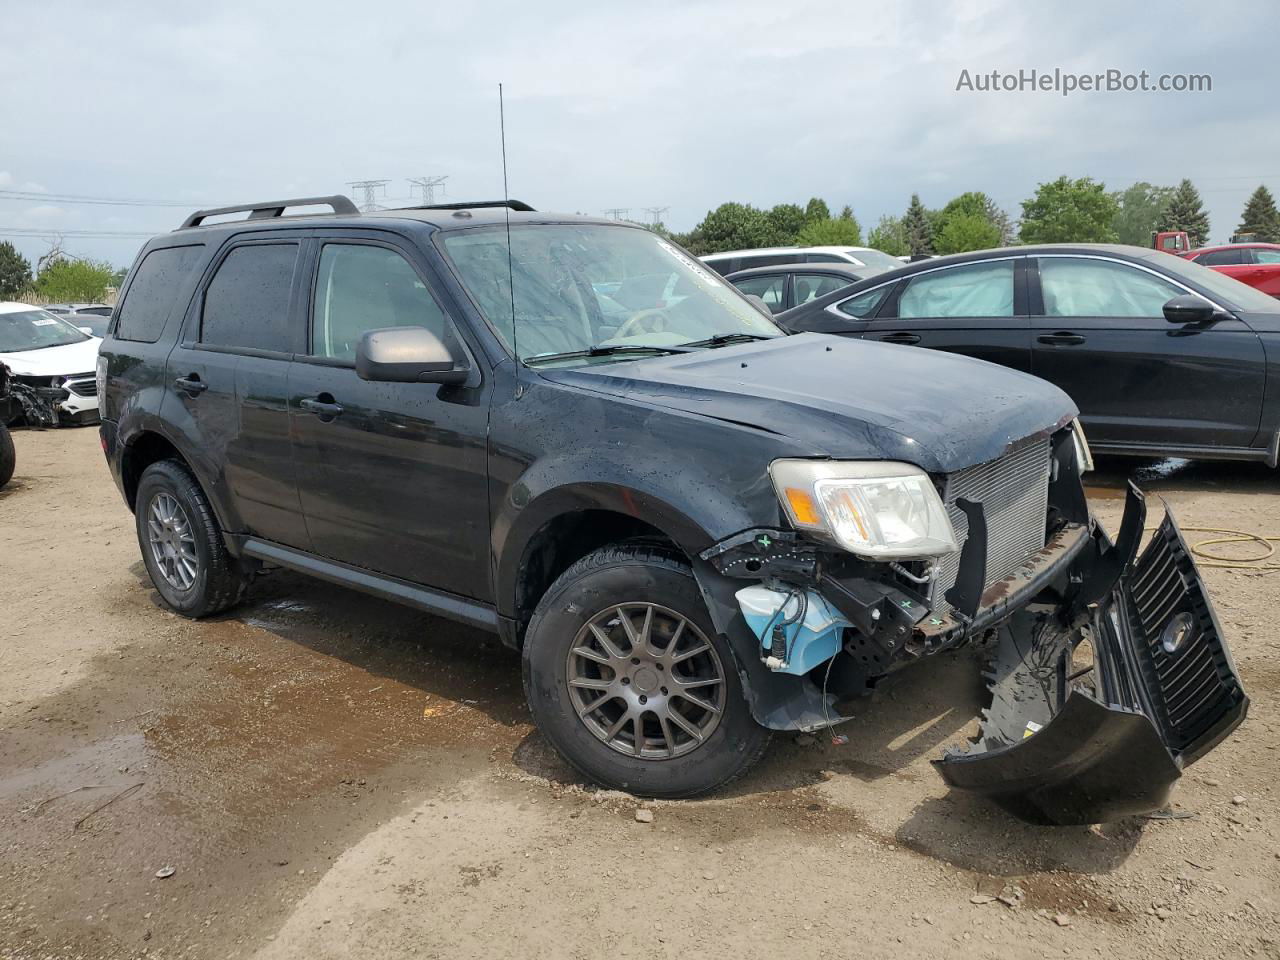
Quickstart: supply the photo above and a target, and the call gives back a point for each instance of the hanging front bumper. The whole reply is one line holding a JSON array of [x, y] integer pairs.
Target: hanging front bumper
[[1062, 744]]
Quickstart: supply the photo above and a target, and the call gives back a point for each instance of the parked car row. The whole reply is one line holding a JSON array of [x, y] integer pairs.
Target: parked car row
[[51, 366], [1162, 356], [695, 528]]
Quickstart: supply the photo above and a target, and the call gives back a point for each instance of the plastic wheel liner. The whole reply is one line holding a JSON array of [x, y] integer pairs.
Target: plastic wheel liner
[[1068, 741]]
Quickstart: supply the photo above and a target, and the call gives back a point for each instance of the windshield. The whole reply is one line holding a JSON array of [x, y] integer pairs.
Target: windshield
[[874, 258], [1236, 294], [580, 287], [34, 330]]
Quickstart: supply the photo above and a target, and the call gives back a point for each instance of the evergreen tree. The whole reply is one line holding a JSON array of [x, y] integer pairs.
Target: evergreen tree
[[918, 229], [816, 209], [15, 272], [1186, 212], [1260, 217]]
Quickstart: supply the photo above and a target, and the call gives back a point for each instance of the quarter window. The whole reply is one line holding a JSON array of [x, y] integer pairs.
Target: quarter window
[[247, 302], [974, 290], [151, 293], [360, 288], [864, 304], [1081, 287]]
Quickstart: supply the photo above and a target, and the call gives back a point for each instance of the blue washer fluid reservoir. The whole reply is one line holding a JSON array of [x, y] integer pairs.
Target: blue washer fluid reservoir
[[810, 642]]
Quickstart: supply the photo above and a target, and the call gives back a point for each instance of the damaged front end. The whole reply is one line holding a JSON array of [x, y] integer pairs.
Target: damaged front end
[[1067, 738]]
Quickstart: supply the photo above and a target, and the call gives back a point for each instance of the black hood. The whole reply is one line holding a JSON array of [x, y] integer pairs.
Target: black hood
[[846, 399]]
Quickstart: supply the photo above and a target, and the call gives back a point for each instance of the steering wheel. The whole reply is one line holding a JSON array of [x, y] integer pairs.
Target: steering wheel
[[645, 321]]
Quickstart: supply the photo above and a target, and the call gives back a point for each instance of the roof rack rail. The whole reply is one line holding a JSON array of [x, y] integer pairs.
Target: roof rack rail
[[519, 205], [272, 208]]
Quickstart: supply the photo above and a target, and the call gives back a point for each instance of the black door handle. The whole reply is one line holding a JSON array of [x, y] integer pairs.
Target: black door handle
[[325, 409], [901, 338], [191, 384], [1061, 339]]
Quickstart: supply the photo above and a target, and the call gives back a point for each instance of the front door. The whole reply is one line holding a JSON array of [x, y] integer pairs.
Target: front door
[[392, 476], [1101, 335]]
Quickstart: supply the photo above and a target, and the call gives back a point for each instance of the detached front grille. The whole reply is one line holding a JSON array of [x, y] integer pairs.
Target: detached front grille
[[1014, 493]]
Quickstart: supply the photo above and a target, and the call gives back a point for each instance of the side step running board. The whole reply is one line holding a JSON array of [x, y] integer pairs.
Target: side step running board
[[438, 602]]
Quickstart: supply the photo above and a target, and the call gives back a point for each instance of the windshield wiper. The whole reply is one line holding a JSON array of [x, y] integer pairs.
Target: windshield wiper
[[604, 351], [720, 339]]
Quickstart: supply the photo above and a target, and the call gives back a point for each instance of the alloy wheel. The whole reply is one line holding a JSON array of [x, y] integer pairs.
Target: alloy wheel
[[646, 681], [173, 546]]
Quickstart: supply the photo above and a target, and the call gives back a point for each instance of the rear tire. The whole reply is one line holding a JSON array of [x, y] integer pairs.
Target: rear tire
[[667, 679], [182, 545], [8, 456]]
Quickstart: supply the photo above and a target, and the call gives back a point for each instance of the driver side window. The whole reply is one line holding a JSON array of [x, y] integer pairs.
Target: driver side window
[[360, 287]]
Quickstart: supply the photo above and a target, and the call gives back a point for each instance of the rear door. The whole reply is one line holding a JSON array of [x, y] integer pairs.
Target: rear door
[[1101, 335], [227, 376], [393, 476], [977, 309]]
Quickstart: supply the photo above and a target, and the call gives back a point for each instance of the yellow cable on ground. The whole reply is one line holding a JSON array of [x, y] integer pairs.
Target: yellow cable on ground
[[1209, 559]]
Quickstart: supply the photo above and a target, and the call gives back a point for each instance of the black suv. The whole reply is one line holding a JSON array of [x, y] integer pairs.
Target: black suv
[[695, 528]]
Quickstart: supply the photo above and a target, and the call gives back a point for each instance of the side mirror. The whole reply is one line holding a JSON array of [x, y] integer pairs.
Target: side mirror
[[86, 330], [759, 304], [407, 355], [1188, 308]]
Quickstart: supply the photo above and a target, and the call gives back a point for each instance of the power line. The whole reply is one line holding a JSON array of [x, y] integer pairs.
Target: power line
[[56, 232], [655, 213], [427, 185], [79, 198], [618, 213], [369, 189]]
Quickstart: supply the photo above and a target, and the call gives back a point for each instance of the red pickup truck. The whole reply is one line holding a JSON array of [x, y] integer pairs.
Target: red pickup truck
[[1257, 264]]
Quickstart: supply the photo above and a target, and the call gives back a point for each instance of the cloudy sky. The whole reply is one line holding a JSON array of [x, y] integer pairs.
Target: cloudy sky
[[680, 105]]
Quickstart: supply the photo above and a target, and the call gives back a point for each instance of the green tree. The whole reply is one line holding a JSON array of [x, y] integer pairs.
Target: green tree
[[787, 220], [830, 233], [1140, 208], [1260, 217], [889, 236], [977, 205], [917, 228], [966, 231], [1069, 211], [1186, 212], [15, 272], [730, 226], [74, 280], [816, 209]]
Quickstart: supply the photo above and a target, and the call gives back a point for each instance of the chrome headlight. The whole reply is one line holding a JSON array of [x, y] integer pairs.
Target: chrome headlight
[[1084, 458], [881, 510]]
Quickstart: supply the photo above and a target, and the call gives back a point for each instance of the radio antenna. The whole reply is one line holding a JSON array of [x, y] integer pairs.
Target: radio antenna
[[506, 209]]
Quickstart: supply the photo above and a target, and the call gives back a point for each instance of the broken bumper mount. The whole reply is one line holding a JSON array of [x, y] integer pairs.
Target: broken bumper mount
[[1065, 743]]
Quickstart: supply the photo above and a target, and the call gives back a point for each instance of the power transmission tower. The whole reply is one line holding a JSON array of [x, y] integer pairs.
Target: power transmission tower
[[655, 214], [368, 189], [618, 213], [427, 186]]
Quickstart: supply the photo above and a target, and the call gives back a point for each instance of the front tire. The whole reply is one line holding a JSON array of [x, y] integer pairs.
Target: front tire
[[628, 679], [182, 545]]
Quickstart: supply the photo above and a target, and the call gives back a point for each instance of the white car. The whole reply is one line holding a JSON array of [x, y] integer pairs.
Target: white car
[[731, 261], [52, 366]]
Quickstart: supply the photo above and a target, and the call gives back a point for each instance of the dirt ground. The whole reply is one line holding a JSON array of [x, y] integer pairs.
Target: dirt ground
[[329, 775]]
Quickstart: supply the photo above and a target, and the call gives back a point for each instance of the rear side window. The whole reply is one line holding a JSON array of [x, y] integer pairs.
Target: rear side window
[[247, 302], [1221, 258], [1263, 255], [975, 290], [152, 291]]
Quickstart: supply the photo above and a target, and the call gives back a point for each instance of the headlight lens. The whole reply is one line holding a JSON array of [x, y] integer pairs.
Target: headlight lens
[[881, 510], [1084, 457]]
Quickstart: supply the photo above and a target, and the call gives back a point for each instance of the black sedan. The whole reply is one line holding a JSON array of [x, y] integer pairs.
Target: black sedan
[[786, 285], [1163, 357]]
